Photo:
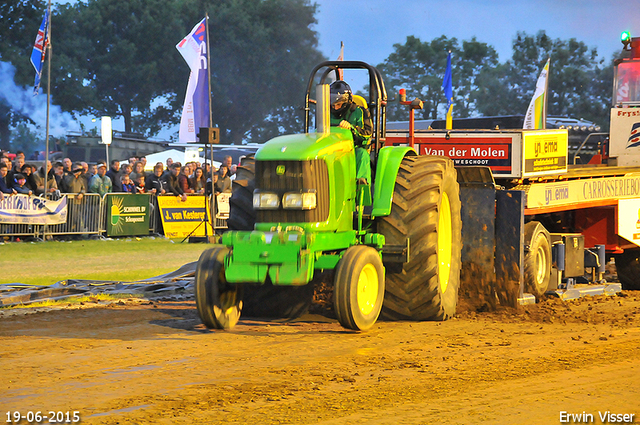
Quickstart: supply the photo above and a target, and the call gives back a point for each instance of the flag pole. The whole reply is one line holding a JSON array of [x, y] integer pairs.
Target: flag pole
[[546, 96], [46, 141], [212, 193]]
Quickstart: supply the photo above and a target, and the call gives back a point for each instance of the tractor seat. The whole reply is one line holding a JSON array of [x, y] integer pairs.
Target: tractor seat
[[359, 100]]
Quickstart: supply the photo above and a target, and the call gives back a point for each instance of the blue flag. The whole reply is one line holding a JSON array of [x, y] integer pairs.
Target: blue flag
[[39, 50], [447, 86]]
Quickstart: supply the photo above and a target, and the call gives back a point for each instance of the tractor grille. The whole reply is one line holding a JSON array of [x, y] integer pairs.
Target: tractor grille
[[298, 175]]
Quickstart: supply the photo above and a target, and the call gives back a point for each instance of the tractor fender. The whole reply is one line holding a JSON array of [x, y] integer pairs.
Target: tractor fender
[[388, 164]]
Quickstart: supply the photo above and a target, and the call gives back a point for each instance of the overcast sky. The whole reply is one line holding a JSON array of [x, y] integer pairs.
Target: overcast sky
[[370, 28]]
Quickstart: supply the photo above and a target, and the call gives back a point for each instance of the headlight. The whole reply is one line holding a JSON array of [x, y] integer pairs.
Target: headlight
[[265, 200], [299, 201]]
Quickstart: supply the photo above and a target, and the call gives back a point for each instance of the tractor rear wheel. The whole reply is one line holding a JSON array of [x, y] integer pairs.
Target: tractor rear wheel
[[219, 303], [537, 261], [628, 269], [358, 288], [426, 210], [265, 300]]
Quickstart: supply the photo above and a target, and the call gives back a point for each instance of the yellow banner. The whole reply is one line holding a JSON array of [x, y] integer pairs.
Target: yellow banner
[[189, 218], [545, 151], [584, 190]]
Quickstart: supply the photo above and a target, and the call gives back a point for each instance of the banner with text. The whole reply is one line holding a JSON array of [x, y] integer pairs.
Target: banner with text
[[181, 219], [24, 209], [127, 214]]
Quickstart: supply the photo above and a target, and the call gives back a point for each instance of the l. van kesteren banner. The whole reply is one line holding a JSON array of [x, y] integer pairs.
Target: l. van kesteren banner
[[24, 209]]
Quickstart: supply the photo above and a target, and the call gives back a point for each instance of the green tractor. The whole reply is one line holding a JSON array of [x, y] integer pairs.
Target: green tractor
[[393, 246]]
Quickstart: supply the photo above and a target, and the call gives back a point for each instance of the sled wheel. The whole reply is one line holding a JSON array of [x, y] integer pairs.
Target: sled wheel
[[537, 261], [219, 303], [628, 269], [359, 288]]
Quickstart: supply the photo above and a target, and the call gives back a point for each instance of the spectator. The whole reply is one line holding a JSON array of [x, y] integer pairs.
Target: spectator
[[74, 182], [198, 181], [38, 179], [58, 171], [18, 163], [227, 163], [127, 184], [28, 170], [139, 184], [20, 184], [155, 183], [138, 170], [224, 181], [5, 186], [171, 181], [93, 170], [126, 169], [143, 159], [85, 171], [184, 181], [114, 175], [168, 169], [100, 183], [10, 173], [66, 163]]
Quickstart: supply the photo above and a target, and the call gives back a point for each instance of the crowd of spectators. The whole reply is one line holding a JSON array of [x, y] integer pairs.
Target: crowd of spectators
[[80, 178]]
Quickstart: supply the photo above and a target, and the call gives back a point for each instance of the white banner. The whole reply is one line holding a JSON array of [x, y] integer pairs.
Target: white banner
[[536, 114], [24, 209]]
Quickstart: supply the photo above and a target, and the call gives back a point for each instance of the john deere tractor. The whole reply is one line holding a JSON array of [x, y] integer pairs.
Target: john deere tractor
[[393, 245]]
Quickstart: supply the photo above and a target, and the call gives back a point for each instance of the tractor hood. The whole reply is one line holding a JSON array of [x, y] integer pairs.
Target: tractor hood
[[307, 146]]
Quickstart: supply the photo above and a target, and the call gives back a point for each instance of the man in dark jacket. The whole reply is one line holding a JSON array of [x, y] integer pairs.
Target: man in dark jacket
[[114, 175], [171, 181], [155, 184], [5, 186], [74, 182]]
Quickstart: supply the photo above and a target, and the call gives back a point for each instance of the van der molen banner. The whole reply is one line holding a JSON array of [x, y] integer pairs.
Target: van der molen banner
[[24, 209]]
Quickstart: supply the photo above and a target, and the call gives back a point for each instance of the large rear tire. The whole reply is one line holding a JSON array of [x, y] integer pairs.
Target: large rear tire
[[537, 260], [358, 288], [425, 209], [265, 300], [628, 269], [219, 303]]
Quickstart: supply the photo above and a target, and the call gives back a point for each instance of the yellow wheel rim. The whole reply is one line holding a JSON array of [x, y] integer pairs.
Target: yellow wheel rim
[[367, 289], [444, 242], [541, 265]]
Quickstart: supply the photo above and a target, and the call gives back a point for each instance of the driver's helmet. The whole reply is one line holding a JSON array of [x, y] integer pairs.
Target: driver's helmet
[[340, 92]]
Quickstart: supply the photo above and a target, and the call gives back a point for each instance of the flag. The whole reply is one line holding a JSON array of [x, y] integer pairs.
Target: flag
[[447, 86], [341, 58], [195, 112], [39, 50], [634, 136], [537, 112]]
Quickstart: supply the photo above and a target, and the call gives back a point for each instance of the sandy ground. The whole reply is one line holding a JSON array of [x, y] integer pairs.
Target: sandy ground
[[153, 362]]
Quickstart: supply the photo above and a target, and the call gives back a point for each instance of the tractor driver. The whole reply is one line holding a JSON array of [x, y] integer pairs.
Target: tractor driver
[[346, 114]]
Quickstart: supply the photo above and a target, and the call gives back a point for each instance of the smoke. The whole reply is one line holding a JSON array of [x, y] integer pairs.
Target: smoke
[[22, 100]]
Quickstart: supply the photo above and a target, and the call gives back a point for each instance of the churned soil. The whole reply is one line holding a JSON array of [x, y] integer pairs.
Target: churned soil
[[152, 362]]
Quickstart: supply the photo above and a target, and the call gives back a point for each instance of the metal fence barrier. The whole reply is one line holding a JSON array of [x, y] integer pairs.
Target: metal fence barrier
[[87, 215]]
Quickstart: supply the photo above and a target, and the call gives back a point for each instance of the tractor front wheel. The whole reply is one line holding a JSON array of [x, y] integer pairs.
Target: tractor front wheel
[[537, 261], [219, 303], [358, 288]]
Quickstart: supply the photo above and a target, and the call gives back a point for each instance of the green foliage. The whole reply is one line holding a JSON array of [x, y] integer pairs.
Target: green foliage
[[419, 67], [17, 19]]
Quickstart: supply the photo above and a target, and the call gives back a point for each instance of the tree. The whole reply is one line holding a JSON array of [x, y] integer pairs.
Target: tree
[[19, 23], [419, 67]]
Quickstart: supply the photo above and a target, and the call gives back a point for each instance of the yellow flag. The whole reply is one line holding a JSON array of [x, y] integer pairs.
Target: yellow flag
[[537, 112]]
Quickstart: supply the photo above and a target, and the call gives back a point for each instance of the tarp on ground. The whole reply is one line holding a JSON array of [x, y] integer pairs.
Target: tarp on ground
[[180, 280]]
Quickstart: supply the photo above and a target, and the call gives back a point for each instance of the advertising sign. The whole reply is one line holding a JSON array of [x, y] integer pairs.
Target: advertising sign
[[574, 191], [182, 219], [127, 214], [625, 136], [24, 209], [629, 220], [545, 152]]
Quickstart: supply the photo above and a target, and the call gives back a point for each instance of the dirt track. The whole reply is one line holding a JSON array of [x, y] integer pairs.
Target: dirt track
[[155, 363]]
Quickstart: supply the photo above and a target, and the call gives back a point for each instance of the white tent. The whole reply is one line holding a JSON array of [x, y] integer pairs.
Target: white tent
[[176, 155]]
